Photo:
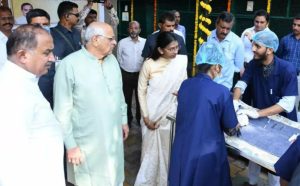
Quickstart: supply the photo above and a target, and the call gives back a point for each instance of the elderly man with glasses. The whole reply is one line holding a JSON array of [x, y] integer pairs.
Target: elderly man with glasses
[[89, 103]]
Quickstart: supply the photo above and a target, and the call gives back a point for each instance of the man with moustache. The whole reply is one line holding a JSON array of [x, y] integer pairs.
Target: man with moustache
[[6, 25], [90, 105], [130, 59], [274, 84], [261, 22], [232, 47], [31, 140], [289, 49]]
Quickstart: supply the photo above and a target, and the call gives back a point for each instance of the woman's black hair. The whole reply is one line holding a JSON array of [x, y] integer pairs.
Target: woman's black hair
[[163, 40]]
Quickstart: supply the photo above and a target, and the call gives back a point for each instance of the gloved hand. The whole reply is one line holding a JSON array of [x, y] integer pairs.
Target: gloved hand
[[250, 113], [236, 104]]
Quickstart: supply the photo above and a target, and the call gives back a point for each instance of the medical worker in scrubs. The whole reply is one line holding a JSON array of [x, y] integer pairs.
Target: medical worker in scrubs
[[274, 88], [205, 111], [287, 167]]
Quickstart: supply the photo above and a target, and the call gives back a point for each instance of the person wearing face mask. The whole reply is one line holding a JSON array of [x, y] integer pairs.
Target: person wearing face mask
[[205, 111], [274, 88], [129, 57], [159, 81], [41, 17]]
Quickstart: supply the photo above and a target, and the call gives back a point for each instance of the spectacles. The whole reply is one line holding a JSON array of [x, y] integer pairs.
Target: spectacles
[[109, 38], [173, 49], [77, 14]]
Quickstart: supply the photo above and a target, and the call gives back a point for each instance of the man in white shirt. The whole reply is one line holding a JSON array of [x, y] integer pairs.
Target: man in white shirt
[[6, 25], [31, 140], [130, 59], [25, 8]]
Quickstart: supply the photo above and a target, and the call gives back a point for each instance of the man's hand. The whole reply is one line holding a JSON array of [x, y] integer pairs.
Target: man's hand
[[125, 130], [108, 4], [75, 156]]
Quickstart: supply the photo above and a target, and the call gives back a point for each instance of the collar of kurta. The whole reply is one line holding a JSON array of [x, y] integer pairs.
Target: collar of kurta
[[92, 57], [20, 72]]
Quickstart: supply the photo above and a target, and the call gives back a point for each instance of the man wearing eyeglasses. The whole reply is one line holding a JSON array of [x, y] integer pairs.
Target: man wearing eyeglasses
[[89, 103], [6, 25], [66, 37]]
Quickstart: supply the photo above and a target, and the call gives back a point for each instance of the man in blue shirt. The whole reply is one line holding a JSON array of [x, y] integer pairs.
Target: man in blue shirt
[[289, 49], [274, 85], [232, 47]]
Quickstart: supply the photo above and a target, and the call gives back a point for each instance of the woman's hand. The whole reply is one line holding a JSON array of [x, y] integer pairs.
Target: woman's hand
[[150, 125]]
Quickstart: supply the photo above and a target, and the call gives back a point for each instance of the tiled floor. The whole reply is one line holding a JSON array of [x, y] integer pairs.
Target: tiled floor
[[238, 165]]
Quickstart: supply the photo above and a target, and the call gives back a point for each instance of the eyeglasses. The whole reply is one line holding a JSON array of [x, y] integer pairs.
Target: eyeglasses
[[109, 38], [77, 14], [173, 49]]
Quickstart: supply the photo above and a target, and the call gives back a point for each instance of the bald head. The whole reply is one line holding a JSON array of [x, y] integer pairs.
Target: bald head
[[134, 30], [100, 39], [97, 28]]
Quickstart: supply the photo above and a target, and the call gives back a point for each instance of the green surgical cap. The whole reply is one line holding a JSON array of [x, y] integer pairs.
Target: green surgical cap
[[266, 38], [210, 53]]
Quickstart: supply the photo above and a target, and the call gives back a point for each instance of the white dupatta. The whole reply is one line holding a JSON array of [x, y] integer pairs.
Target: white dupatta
[[160, 98], [160, 102]]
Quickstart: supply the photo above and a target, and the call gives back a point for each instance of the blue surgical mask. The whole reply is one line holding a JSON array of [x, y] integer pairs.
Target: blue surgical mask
[[47, 28]]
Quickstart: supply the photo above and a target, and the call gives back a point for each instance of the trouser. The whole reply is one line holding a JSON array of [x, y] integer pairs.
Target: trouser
[[253, 175], [130, 83]]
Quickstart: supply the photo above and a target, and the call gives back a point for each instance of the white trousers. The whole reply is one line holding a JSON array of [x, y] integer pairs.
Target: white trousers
[[253, 175]]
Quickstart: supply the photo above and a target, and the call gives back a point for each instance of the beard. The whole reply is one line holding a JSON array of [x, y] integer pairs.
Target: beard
[[134, 34], [260, 58]]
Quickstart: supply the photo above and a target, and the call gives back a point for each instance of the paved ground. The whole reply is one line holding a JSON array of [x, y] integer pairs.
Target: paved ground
[[238, 165]]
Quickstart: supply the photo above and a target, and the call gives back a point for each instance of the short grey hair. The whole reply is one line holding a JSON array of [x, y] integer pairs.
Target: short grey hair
[[92, 31]]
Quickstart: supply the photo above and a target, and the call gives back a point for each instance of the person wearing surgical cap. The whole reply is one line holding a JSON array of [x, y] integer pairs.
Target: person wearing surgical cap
[[274, 88], [205, 110]]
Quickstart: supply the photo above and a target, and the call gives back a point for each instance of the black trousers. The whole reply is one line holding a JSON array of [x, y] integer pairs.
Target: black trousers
[[130, 83]]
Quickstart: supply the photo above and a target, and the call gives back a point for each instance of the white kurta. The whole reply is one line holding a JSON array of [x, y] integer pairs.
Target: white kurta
[[31, 144], [89, 103]]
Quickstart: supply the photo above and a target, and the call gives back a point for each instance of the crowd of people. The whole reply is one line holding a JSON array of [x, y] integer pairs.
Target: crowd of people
[[66, 100]]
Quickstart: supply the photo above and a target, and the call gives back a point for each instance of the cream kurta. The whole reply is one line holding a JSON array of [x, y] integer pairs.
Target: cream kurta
[[158, 81], [31, 140], [89, 103]]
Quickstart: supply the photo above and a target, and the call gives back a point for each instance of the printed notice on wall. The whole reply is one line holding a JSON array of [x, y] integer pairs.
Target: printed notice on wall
[[250, 5], [125, 16]]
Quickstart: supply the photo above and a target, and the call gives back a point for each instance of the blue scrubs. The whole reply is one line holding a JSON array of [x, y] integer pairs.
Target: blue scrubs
[[199, 154], [288, 162], [267, 91]]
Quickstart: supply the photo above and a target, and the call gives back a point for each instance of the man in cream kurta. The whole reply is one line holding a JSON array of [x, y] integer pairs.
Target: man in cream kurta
[[89, 103]]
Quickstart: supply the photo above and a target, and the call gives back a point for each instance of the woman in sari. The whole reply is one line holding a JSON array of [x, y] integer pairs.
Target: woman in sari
[[159, 81]]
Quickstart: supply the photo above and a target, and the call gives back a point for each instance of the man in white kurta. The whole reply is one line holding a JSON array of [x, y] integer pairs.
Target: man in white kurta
[[89, 103], [31, 140]]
